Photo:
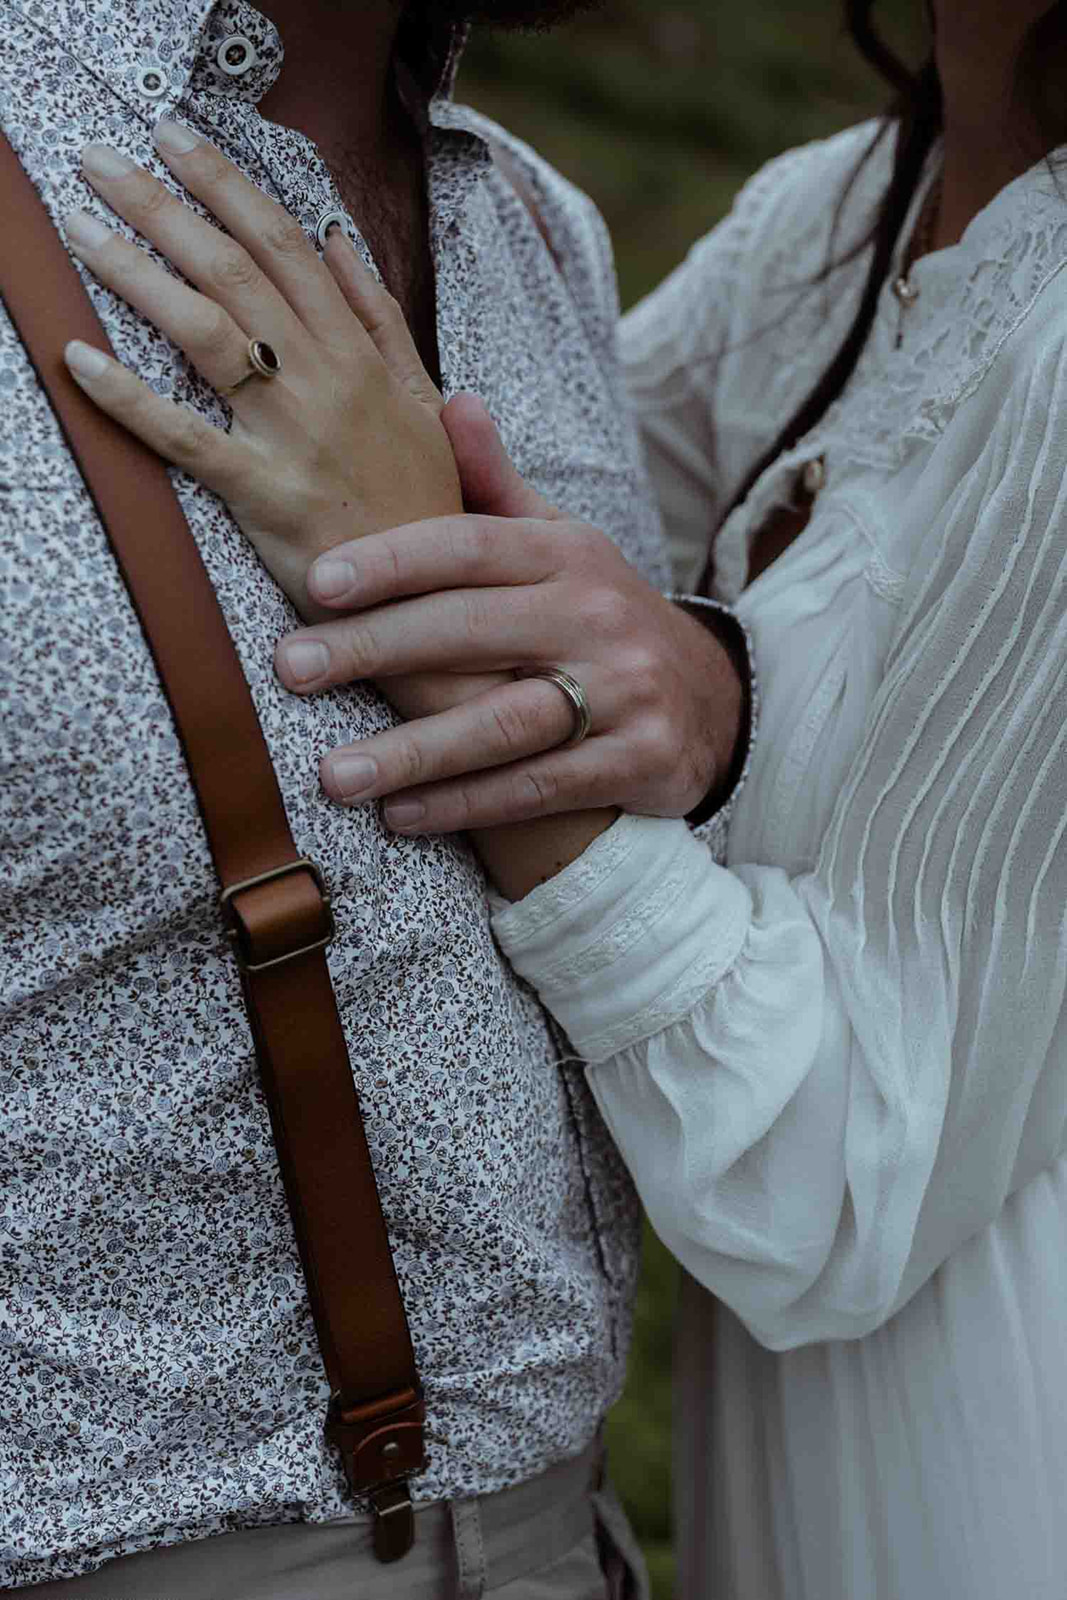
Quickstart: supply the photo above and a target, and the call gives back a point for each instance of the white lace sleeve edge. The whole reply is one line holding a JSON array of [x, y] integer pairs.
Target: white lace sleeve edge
[[633, 940]]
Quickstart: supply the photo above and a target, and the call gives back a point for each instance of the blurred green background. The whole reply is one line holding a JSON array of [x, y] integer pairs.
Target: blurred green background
[[660, 109]]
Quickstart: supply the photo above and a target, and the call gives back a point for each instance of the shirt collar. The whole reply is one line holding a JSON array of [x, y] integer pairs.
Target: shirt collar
[[152, 52], [431, 49]]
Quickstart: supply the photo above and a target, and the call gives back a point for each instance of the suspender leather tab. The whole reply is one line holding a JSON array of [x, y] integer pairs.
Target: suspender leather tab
[[381, 1444]]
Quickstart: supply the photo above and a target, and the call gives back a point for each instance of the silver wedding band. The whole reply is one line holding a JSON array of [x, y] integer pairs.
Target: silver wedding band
[[572, 689], [263, 362]]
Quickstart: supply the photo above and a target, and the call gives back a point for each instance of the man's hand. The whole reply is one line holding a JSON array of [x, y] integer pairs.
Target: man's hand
[[519, 586]]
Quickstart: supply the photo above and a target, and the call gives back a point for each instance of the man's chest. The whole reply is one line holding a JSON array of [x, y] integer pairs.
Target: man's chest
[[392, 214], [507, 326], [473, 271]]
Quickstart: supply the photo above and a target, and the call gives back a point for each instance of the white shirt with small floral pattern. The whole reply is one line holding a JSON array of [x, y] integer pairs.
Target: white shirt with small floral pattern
[[160, 1378]]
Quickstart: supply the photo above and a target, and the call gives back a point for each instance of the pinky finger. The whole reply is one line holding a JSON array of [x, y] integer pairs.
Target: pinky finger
[[175, 432], [582, 778]]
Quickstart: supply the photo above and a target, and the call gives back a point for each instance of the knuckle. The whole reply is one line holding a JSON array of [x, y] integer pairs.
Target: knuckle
[[283, 236], [586, 548], [187, 434], [474, 541], [593, 545], [409, 765], [146, 197], [233, 268], [477, 614], [515, 727], [538, 790], [656, 745], [210, 165], [214, 329], [459, 805], [356, 652], [381, 311], [640, 662], [422, 388], [394, 572], [605, 611], [551, 545], [387, 306]]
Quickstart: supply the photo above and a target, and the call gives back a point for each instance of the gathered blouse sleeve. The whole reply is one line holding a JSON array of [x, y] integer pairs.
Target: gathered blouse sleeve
[[825, 1083], [710, 358], [671, 345]]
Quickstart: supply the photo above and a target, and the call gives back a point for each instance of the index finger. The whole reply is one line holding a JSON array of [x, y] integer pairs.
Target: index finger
[[458, 552], [275, 240]]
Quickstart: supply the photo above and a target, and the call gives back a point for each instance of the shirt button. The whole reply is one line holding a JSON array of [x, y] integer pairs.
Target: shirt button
[[152, 82], [328, 220], [236, 55], [813, 477]]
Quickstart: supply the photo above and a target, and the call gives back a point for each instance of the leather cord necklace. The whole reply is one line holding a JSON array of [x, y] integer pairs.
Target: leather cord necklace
[[273, 901], [785, 523], [919, 245]]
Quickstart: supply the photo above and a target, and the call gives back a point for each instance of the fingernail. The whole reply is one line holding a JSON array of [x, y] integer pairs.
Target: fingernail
[[331, 578], [475, 399], [86, 230], [353, 775], [100, 161], [404, 813], [84, 360], [304, 660], [175, 139]]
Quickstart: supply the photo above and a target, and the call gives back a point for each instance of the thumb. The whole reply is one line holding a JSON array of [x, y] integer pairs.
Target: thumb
[[490, 482]]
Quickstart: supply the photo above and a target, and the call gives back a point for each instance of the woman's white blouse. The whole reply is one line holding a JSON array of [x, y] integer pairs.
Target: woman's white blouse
[[837, 1066]]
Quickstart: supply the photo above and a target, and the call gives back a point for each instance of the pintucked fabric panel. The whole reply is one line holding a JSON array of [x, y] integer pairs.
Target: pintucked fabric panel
[[854, 1136]]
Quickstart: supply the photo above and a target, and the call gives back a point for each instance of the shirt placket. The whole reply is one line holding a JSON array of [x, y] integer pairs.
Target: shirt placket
[[238, 60]]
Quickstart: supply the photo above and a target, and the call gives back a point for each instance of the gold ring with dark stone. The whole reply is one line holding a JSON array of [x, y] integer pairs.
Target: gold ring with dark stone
[[263, 362]]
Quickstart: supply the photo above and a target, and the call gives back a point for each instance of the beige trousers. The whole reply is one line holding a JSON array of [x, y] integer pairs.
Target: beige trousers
[[561, 1536]]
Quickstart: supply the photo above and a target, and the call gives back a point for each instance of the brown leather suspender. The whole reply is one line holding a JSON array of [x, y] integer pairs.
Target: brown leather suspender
[[274, 903]]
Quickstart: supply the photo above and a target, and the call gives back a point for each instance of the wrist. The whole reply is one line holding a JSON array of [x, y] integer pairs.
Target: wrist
[[732, 676], [518, 856]]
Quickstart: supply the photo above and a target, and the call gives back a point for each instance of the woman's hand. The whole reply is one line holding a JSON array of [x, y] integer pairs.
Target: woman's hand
[[349, 438], [345, 440], [525, 588]]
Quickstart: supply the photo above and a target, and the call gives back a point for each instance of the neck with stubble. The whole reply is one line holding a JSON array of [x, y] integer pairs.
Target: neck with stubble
[[337, 86]]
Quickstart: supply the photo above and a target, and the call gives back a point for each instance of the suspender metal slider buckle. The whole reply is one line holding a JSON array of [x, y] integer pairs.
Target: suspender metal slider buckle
[[283, 914]]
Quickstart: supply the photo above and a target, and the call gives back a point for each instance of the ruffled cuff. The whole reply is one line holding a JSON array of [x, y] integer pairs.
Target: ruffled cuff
[[625, 940]]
